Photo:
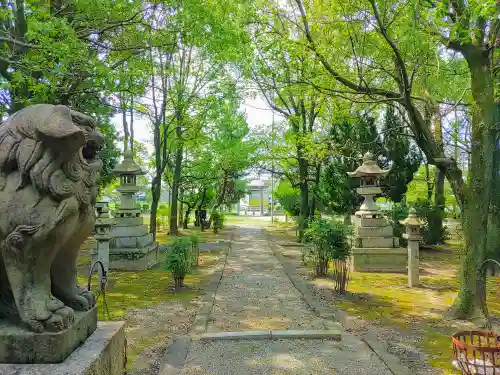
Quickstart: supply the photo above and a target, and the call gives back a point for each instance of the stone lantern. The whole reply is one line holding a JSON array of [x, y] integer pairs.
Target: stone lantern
[[132, 246], [128, 172], [102, 234], [375, 247], [369, 173], [413, 225]]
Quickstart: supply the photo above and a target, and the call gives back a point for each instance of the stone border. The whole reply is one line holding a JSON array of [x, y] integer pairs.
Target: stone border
[[201, 320], [273, 335], [306, 289], [175, 355], [178, 347]]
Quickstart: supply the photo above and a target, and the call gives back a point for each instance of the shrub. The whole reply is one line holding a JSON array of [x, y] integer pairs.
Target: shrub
[[179, 260], [145, 207], [329, 240], [397, 213], [433, 232], [218, 220], [195, 246]]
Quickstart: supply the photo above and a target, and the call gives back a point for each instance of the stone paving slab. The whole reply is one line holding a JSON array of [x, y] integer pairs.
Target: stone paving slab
[[280, 357], [255, 294]]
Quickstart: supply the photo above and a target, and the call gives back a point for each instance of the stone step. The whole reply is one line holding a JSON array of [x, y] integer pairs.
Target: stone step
[[378, 242], [274, 335], [369, 222], [386, 231]]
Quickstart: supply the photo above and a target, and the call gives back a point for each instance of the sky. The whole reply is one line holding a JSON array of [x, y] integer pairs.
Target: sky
[[256, 109]]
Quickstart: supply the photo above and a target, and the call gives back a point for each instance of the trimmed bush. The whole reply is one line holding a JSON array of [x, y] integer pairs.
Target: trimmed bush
[[217, 220], [329, 240], [179, 260]]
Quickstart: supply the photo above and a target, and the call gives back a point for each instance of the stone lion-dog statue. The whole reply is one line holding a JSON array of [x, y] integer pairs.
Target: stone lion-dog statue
[[49, 173]]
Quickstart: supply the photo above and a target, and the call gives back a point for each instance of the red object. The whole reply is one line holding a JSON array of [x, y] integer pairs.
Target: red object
[[477, 352]]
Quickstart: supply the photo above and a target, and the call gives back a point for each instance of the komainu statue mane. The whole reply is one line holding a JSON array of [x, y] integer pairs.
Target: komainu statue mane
[[49, 172]]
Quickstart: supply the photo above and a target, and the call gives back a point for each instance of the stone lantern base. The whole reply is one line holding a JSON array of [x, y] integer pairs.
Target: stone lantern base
[[375, 248], [391, 260], [131, 247]]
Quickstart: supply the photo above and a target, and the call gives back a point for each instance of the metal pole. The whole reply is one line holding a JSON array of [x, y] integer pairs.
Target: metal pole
[[272, 171]]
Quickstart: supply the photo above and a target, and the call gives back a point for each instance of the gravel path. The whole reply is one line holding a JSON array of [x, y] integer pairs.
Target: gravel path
[[256, 294]]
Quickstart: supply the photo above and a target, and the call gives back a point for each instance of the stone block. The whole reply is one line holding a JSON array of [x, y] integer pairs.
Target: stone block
[[392, 260], [386, 231], [145, 240], [370, 222], [124, 242], [378, 242], [128, 221], [307, 334], [134, 259], [103, 353], [18, 345], [248, 335], [129, 231]]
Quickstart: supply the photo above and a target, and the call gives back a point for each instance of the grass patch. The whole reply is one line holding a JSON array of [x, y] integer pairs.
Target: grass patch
[[129, 290], [386, 299]]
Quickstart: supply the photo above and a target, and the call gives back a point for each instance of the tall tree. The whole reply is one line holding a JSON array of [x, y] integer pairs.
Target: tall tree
[[381, 38]]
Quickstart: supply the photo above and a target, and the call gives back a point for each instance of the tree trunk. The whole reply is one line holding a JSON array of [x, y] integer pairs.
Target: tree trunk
[[156, 193], [186, 218], [175, 187], [181, 209], [430, 185], [483, 145], [126, 133], [439, 199], [316, 183], [304, 192]]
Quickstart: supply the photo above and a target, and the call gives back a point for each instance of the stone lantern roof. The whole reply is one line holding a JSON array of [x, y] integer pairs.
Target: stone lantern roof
[[412, 219], [128, 166], [368, 168]]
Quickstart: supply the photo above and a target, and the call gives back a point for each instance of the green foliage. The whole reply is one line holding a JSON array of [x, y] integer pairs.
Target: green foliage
[[289, 198], [329, 241], [402, 157], [394, 215], [218, 220], [179, 257], [145, 206], [431, 215]]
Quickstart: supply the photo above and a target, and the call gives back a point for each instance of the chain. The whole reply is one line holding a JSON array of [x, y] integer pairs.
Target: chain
[[102, 284], [481, 288]]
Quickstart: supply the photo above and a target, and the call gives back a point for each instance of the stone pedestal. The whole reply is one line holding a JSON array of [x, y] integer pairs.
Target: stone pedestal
[[18, 345], [375, 247], [103, 353]]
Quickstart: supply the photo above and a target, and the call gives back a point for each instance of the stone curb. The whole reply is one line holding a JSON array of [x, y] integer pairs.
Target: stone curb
[[175, 355], [207, 303], [305, 289], [273, 335], [379, 348]]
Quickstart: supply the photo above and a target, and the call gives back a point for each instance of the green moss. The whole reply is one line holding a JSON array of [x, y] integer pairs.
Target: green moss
[[127, 291]]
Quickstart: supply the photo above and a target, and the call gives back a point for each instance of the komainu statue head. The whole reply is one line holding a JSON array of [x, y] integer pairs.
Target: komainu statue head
[[49, 173]]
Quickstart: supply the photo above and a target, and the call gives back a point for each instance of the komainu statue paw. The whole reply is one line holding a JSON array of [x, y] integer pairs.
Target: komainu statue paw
[[53, 324], [68, 316], [83, 300]]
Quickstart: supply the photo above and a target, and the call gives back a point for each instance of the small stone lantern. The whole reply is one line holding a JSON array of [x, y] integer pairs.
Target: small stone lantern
[[413, 225], [103, 233]]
